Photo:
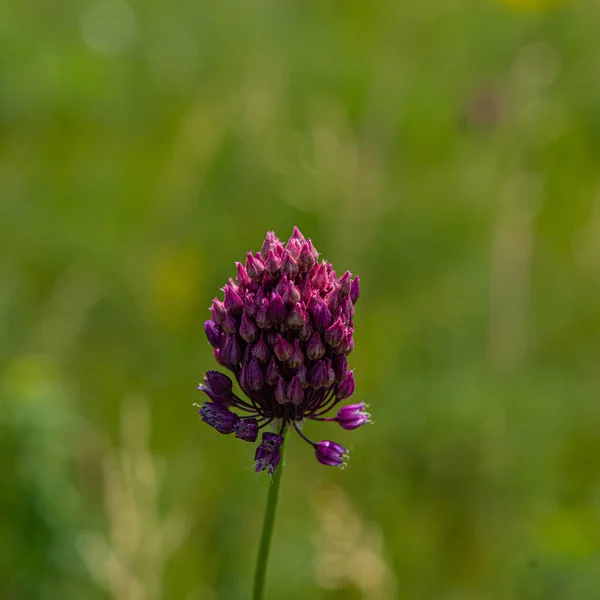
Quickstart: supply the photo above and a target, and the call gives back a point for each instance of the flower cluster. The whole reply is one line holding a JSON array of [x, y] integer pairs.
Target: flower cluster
[[284, 329]]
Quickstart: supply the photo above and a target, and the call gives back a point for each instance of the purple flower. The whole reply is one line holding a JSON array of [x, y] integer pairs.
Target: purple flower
[[218, 416], [284, 329], [352, 416], [331, 454]]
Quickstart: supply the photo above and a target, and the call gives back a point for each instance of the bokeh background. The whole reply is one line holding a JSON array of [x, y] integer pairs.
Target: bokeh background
[[447, 152]]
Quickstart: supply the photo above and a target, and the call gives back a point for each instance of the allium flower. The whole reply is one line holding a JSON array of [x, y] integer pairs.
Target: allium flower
[[284, 329]]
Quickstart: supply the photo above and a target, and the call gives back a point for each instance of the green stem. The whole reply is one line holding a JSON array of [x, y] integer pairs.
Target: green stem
[[267, 532]]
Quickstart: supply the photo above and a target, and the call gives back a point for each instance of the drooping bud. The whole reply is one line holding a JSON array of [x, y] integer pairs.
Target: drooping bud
[[246, 429], [352, 416], [283, 349], [254, 267], [230, 324], [280, 391], [295, 392], [335, 333], [340, 368], [331, 454], [289, 265], [346, 388], [344, 283], [243, 279], [277, 311], [231, 353], [261, 351], [255, 377], [296, 317], [315, 348], [321, 316], [272, 264], [218, 416], [355, 290], [233, 303], [297, 358], [272, 374], [213, 333]]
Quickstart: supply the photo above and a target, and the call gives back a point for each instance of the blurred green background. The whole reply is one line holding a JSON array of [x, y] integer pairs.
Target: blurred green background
[[447, 152]]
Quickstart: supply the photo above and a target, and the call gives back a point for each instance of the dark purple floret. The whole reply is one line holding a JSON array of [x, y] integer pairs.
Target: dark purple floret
[[218, 416], [284, 329], [246, 429]]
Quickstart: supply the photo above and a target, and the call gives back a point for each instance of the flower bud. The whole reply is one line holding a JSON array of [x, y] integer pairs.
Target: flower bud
[[261, 351], [255, 377], [335, 333], [233, 303], [321, 316], [306, 258], [288, 265], [280, 391], [296, 317], [248, 329], [272, 374], [272, 264], [295, 393], [290, 293], [297, 357], [230, 324], [246, 429], [254, 267], [355, 290], [331, 454], [277, 311], [270, 243], [243, 279], [218, 311], [340, 368], [315, 348], [262, 315], [306, 331], [344, 283], [213, 333], [346, 388], [231, 353], [283, 349]]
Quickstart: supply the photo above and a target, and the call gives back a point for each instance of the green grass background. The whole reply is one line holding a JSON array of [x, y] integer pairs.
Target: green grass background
[[447, 152]]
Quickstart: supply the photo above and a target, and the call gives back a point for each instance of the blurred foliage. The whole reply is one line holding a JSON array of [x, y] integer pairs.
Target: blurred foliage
[[447, 152]]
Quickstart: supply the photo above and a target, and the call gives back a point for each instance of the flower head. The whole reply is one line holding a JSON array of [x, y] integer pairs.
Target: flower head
[[284, 329]]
